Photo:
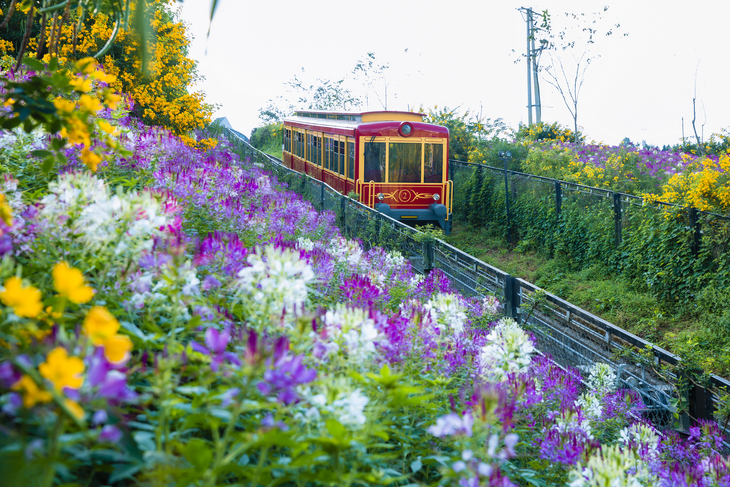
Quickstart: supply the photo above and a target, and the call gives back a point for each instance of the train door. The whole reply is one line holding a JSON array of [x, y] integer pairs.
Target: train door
[[341, 150], [350, 175]]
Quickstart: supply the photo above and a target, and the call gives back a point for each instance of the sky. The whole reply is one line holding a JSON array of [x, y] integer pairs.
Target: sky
[[462, 54]]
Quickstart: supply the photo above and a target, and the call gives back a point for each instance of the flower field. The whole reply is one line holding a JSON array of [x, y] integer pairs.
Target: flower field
[[177, 317], [673, 177]]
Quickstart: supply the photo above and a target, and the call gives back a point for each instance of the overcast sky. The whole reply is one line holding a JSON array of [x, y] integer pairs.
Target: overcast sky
[[460, 53]]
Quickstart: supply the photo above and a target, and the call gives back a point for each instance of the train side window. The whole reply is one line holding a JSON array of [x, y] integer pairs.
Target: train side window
[[404, 162], [342, 157], [287, 140], [327, 153], [310, 152], [351, 160], [374, 161], [433, 164], [335, 156], [318, 146]]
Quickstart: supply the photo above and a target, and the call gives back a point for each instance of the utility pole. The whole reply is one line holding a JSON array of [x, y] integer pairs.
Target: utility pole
[[529, 67], [533, 83]]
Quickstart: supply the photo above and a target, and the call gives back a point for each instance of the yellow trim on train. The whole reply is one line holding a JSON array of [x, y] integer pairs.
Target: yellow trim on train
[[391, 117]]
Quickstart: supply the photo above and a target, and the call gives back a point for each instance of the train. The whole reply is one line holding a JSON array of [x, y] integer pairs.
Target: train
[[395, 162]]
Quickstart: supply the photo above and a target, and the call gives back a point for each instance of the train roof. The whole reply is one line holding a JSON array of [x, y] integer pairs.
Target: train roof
[[364, 117], [349, 120]]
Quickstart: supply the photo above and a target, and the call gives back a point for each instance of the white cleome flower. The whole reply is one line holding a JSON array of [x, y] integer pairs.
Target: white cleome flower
[[275, 282], [601, 379], [345, 251], [351, 330], [447, 310], [127, 221], [350, 409], [611, 466], [508, 350]]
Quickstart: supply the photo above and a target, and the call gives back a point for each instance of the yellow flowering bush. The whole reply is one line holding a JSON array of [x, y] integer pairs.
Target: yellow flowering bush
[[704, 184], [546, 132], [161, 94]]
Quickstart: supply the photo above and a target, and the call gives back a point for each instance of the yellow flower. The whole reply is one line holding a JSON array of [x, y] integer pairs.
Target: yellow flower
[[87, 65], [106, 127], [90, 103], [69, 282], [75, 408], [112, 100], [117, 348], [81, 84], [6, 212], [25, 301], [62, 370], [102, 328], [91, 159], [63, 105], [100, 325], [32, 394]]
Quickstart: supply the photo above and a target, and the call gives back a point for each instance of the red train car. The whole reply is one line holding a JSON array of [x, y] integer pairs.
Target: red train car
[[394, 161]]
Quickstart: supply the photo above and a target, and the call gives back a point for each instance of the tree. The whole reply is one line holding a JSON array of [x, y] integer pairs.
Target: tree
[[371, 74], [324, 94], [571, 51]]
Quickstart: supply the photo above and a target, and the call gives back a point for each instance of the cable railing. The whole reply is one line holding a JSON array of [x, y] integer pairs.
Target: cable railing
[[572, 336]]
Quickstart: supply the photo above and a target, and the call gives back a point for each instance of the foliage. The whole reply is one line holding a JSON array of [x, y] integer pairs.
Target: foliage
[[467, 131], [268, 138], [545, 132], [64, 101], [157, 84]]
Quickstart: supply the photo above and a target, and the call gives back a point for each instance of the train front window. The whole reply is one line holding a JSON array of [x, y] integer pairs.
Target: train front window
[[433, 163], [404, 163], [375, 161]]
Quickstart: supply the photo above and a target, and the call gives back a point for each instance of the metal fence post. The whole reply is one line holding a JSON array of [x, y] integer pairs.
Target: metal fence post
[[511, 298], [451, 171], [694, 223], [617, 218], [321, 196], [558, 199], [427, 257], [343, 214]]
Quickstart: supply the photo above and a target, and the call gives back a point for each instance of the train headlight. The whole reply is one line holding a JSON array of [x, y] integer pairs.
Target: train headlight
[[405, 129], [381, 196], [436, 197]]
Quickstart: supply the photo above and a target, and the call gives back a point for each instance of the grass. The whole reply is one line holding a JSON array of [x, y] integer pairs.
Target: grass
[[697, 335]]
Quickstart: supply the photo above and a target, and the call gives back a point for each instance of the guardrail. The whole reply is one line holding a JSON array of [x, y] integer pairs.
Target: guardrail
[[572, 336]]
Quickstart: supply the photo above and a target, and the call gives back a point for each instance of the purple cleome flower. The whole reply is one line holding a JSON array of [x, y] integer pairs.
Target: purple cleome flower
[[283, 376]]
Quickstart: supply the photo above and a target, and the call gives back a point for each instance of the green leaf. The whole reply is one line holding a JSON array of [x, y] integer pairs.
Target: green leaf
[[336, 429], [41, 153], [416, 465], [47, 165], [198, 453], [34, 64], [123, 472], [58, 144]]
